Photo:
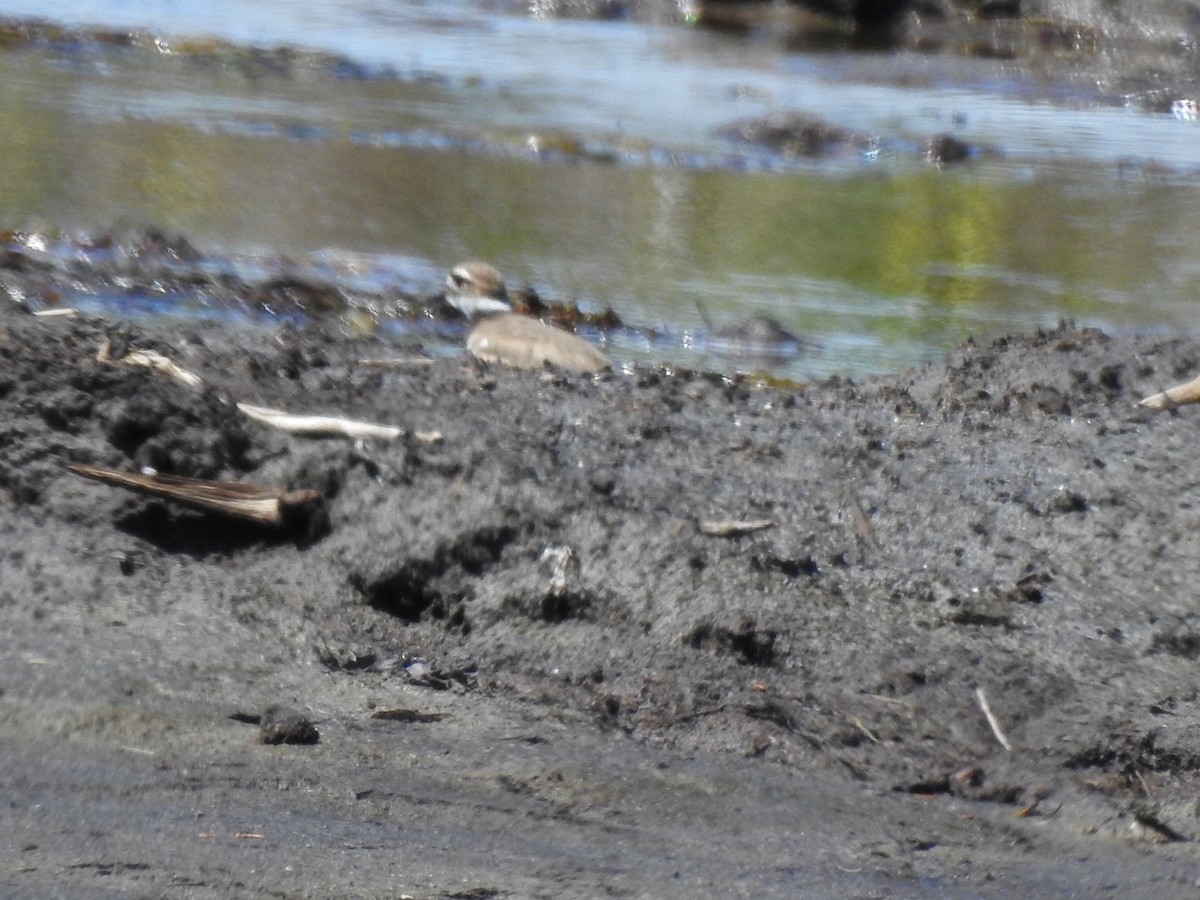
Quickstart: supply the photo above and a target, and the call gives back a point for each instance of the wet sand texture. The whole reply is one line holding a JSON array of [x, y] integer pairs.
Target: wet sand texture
[[533, 666]]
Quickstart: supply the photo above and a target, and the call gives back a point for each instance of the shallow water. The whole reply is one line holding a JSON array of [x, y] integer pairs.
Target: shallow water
[[585, 158]]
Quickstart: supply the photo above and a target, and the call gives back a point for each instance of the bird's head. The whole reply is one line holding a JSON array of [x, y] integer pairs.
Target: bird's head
[[477, 289]]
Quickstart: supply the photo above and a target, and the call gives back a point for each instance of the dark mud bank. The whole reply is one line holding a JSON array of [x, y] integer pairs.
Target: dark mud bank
[[544, 658]]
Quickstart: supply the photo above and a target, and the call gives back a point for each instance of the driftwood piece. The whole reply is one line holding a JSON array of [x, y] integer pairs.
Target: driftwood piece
[[236, 499], [1188, 392]]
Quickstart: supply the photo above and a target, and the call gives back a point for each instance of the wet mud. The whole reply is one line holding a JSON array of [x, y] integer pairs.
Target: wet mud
[[649, 633]]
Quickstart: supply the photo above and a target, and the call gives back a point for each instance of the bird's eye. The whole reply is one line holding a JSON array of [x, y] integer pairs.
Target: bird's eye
[[459, 278]]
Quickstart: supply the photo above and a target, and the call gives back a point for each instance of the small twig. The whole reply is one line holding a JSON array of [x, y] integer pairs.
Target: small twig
[[862, 524], [1148, 818], [726, 528], [402, 714], [700, 714], [66, 312], [858, 723], [319, 426], [992, 720], [1145, 787], [897, 701], [149, 359], [400, 362]]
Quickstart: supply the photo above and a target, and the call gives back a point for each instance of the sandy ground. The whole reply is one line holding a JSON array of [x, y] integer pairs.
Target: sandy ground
[[534, 670]]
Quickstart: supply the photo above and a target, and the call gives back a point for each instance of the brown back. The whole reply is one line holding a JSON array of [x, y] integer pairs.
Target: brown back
[[525, 343]]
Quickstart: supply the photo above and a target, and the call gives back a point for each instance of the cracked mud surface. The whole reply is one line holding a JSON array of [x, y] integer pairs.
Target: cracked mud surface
[[578, 690]]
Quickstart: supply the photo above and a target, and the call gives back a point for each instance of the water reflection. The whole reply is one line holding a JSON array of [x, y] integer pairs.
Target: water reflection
[[585, 159]]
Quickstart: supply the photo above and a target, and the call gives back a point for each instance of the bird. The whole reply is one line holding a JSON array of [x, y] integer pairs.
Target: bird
[[500, 335], [758, 340]]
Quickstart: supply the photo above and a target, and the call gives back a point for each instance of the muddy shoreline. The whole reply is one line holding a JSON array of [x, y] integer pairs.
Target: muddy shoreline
[[536, 673]]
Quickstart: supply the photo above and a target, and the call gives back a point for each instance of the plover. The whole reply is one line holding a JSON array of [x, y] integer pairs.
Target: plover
[[503, 336]]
